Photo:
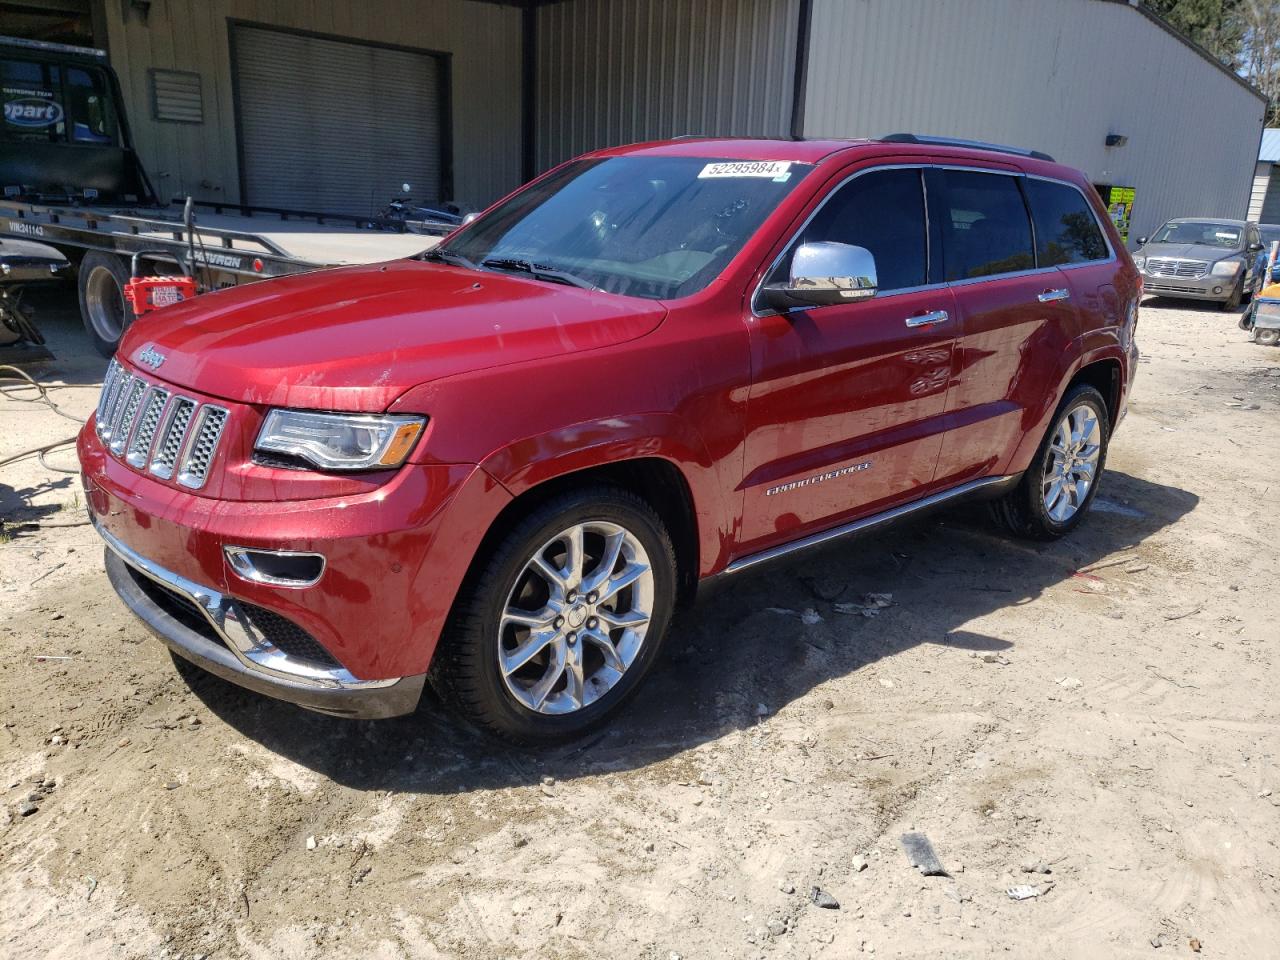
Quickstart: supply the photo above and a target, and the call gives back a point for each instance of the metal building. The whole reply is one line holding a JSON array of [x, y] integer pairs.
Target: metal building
[[332, 104]]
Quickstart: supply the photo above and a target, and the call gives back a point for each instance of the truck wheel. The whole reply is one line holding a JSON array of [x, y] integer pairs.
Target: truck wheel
[[1059, 485], [562, 620], [103, 308], [1237, 294], [1268, 337]]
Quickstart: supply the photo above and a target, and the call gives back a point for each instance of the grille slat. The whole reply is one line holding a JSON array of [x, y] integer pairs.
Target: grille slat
[[172, 434], [171, 437], [129, 404], [1174, 267], [109, 385], [207, 431], [148, 420]]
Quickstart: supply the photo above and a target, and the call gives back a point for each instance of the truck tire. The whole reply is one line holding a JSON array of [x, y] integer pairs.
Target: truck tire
[[541, 648], [1048, 502], [103, 308]]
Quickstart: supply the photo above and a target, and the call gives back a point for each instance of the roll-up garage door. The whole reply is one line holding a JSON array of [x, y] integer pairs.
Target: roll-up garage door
[[332, 126]]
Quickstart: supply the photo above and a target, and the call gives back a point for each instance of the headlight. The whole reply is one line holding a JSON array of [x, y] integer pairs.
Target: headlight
[[338, 441], [1226, 268], [1140, 262]]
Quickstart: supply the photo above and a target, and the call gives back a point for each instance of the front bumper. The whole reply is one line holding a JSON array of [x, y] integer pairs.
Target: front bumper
[[1206, 288], [210, 630]]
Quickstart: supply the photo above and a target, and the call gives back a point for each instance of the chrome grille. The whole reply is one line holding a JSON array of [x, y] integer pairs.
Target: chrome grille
[[148, 420], [110, 383], [172, 433], [205, 434], [1172, 267], [130, 399], [173, 438]]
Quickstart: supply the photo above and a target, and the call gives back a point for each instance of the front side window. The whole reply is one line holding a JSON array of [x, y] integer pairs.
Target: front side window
[[882, 211], [88, 107], [642, 226], [1201, 232], [1066, 229], [985, 230]]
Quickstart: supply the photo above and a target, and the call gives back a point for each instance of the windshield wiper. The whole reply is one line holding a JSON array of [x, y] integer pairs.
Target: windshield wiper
[[444, 256], [538, 271]]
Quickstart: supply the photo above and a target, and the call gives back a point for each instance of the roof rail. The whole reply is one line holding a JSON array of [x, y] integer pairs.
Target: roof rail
[[971, 144], [45, 47]]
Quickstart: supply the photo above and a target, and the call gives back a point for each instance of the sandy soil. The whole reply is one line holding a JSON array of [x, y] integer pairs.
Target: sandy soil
[[1101, 708]]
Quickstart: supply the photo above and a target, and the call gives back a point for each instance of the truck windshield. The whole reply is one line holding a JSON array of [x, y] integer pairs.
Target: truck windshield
[[655, 227], [1226, 235]]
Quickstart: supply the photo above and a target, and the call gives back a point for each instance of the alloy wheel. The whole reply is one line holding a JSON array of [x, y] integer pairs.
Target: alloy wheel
[[1072, 466], [576, 618]]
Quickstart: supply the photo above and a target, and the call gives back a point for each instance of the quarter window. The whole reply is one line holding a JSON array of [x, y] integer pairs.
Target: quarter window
[[882, 211], [1066, 229], [984, 223]]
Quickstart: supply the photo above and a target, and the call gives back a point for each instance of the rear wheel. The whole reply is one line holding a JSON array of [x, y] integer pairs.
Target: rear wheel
[[1059, 485], [103, 308], [564, 619], [1267, 337]]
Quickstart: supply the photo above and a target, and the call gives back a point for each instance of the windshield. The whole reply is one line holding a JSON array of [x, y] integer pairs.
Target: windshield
[[1223, 235], [655, 227]]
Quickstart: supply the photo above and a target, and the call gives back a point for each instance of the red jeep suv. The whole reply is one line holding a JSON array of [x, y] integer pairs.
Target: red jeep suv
[[501, 464]]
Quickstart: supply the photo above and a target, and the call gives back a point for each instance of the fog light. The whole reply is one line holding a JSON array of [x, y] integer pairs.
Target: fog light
[[279, 568], [1217, 289]]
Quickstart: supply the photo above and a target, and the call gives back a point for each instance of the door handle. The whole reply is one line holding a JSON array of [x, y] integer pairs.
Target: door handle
[[928, 319], [1048, 296]]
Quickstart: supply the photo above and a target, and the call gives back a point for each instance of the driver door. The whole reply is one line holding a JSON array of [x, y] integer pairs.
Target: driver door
[[846, 410]]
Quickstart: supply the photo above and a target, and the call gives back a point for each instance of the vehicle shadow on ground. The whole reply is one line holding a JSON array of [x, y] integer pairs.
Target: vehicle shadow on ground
[[1193, 306], [732, 652]]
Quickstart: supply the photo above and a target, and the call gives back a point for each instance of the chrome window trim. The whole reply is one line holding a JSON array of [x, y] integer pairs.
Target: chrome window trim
[[243, 567], [255, 652], [757, 313]]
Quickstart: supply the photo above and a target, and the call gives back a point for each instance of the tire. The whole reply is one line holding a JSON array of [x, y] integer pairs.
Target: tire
[[1024, 510], [532, 704], [1268, 337], [1237, 294], [103, 309]]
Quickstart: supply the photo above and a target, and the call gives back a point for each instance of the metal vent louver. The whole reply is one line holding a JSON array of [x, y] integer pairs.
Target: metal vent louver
[[172, 432], [148, 421], [205, 435]]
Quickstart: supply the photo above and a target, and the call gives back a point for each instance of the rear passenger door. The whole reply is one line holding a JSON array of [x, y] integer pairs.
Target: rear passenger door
[[1016, 318]]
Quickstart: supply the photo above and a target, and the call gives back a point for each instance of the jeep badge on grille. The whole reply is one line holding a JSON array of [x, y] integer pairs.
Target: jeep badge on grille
[[150, 356]]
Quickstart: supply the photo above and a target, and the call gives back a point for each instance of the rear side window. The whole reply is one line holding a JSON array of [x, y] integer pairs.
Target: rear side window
[[985, 229], [882, 211], [1066, 229]]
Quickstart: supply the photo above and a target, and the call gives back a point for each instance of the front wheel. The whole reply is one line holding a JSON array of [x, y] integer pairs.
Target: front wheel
[[563, 620], [1237, 294], [1059, 485]]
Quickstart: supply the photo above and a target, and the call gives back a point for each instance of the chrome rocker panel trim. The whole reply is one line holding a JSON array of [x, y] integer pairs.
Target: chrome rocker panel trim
[[989, 486], [246, 658]]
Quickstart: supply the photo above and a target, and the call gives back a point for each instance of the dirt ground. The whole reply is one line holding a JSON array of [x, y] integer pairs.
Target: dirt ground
[[1101, 710]]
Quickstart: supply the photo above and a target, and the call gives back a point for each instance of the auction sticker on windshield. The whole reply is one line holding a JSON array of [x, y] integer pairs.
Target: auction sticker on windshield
[[767, 169]]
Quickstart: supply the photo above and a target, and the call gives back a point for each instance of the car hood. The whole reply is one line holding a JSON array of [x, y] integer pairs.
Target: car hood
[[1188, 251], [355, 338]]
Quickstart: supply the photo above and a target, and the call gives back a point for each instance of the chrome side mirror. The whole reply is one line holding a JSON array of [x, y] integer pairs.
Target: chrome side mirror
[[822, 274]]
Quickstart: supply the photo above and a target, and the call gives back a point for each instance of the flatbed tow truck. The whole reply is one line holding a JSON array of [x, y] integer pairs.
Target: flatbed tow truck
[[72, 180]]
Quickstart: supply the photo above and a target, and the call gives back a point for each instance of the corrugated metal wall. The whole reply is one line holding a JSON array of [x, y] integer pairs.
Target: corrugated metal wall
[[483, 38], [1258, 196], [1056, 75], [622, 71]]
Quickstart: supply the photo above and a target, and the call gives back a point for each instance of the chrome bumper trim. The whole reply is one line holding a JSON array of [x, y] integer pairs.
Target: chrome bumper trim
[[255, 653]]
